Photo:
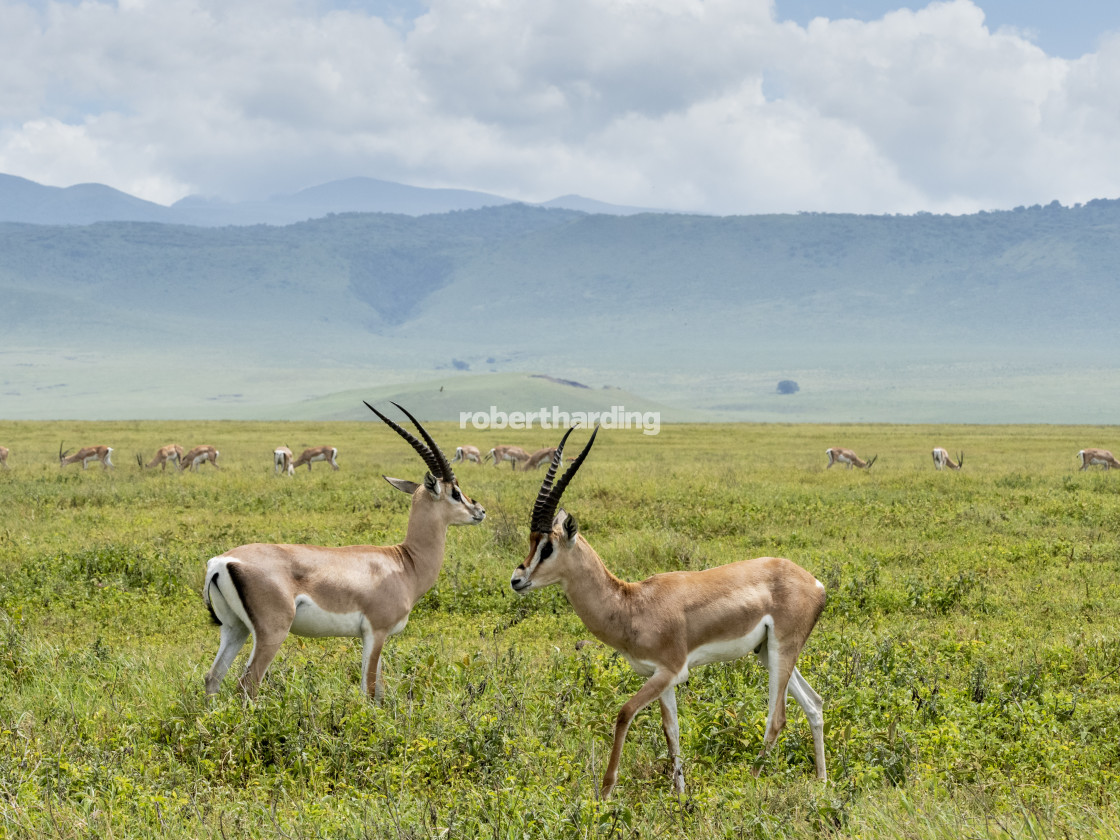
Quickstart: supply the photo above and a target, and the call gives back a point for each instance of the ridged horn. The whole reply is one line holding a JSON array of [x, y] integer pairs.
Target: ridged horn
[[549, 496], [433, 458]]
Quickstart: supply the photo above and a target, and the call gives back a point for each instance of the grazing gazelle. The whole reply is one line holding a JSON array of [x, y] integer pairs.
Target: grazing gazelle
[[836, 455], [1097, 457], [171, 452], [4, 457], [282, 460], [941, 459], [514, 454], [365, 591], [672, 622], [467, 453], [199, 456], [87, 455], [539, 457], [317, 453]]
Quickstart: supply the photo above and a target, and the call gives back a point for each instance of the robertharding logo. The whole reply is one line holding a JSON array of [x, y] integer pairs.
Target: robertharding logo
[[616, 417]]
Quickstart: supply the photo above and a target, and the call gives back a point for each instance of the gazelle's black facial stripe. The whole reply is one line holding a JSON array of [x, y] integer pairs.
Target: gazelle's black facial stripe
[[546, 550]]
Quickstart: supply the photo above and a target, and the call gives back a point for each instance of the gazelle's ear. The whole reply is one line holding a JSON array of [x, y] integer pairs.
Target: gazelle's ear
[[403, 484], [567, 523], [433, 485]]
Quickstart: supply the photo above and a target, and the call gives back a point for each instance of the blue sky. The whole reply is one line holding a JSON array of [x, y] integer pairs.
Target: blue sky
[[717, 106]]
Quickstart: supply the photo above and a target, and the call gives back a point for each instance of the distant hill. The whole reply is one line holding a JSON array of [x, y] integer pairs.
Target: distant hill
[[492, 397], [25, 201], [992, 317]]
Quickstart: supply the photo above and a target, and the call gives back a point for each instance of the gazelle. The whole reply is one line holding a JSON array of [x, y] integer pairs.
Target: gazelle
[[1095, 457], [539, 457], [199, 456], [669, 623], [941, 459], [514, 454], [467, 453], [848, 458], [317, 453], [366, 591], [282, 460], [87, 455], [4, 456], [171, 452]]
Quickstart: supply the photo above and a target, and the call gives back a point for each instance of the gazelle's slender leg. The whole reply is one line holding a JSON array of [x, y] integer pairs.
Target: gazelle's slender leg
[[812, 704], [671, 728], [654, 686], [372, 682], [233, 638], [266, 646]]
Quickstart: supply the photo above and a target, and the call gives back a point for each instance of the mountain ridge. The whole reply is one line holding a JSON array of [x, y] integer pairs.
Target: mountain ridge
[[27, 202]]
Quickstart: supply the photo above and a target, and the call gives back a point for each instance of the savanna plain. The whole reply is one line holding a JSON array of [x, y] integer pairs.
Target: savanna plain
[[968, 656]]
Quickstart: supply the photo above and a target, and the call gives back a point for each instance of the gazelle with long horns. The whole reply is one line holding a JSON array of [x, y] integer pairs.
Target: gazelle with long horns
[[941, 459], [837, 455], [672, 622], [86, 456], [172, 452], [363, 591]]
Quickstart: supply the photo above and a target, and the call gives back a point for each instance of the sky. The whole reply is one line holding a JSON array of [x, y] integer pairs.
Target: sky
[[713, 106]]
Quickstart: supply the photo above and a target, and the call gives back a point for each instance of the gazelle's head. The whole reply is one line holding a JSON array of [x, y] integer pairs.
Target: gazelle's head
[[552, 534], [440, 487]]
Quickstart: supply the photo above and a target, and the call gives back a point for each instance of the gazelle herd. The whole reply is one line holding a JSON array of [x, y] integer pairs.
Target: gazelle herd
[[663, 626]]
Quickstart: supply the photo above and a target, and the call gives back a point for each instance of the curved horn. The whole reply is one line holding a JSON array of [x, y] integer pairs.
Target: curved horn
[[960, 460], [874, 458], [445, 471], [542, 514], [430, 459], [545, 508]]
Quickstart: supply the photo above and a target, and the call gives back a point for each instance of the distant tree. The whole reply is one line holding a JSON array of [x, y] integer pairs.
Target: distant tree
[[788, 386], [459, 364]]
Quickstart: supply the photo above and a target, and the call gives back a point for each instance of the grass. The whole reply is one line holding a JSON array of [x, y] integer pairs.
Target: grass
[[968, 656]]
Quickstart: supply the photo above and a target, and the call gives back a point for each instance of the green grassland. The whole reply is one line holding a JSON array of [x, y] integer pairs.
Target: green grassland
[[969, 654]]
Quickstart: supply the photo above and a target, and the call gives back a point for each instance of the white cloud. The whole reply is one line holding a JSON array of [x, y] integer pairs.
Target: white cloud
[[670, 103]]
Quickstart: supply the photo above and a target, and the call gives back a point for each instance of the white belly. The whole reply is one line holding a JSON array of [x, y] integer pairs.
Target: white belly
[[728, 649], [313, 620]]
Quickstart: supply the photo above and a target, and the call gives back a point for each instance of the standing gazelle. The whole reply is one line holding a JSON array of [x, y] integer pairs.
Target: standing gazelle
[[837, 455], [1095, 457], [366, 591], [172, 452], [672, 622], [317, 453], [467, 453], [4, 457], [282, 461], [198, 456], [941, 459], [86, 456]]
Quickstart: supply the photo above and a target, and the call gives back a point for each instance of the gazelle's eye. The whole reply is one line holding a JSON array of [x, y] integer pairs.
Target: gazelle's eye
[[546, 550], [456, 495]]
